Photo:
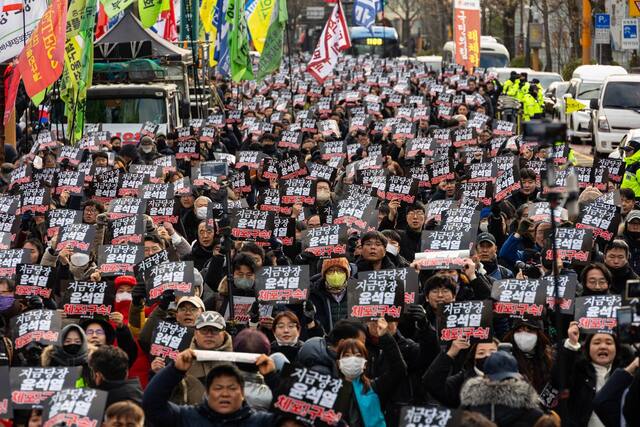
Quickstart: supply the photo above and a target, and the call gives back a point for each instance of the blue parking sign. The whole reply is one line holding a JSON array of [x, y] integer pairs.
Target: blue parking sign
[[603, 20]]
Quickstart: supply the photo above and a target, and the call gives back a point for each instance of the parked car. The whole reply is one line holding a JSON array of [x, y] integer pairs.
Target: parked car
[[618, 152], [554, 101]]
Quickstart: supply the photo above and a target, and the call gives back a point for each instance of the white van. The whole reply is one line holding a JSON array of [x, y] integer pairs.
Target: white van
[[615, 111], [492, 53], [584, 86]]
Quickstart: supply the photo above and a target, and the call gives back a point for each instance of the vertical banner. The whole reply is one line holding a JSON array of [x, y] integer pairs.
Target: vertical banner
[[466, 32]]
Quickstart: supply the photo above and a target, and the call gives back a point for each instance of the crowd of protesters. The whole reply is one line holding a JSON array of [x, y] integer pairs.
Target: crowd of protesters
[[542, 370]]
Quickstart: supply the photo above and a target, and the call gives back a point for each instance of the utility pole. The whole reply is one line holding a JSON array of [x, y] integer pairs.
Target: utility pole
[[586, 32]]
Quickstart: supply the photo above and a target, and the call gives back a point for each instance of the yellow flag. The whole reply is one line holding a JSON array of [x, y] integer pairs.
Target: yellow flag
[[259, 21], [573, 106], [206, 15]]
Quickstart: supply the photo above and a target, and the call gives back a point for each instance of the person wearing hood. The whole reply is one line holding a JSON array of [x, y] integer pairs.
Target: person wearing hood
[[631, 235], [110, 369], [192, 217], [244, 280], [374, 251], [393, 249], [329, 294], [9, 305], [224, 402], [595, 279], [632, 164], [443, 381], [72, 349], [616, 259], [147, 150], [502, 395], [100, 332]]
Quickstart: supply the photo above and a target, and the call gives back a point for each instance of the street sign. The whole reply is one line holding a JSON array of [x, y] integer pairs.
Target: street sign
[[602, 28], [315, 13], [535, 34], [634, 8], [630, 34]]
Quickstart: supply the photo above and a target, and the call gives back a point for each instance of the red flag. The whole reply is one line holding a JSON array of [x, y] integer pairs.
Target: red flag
[[42, 59], [102, 23], [169, 16], [333, 40], [466, 33], [11, 84]]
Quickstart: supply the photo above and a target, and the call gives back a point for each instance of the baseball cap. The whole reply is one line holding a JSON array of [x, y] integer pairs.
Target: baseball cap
[[634, 214], [193, 300], [211, 318], [632, 145], [500, 366], [486, 237]]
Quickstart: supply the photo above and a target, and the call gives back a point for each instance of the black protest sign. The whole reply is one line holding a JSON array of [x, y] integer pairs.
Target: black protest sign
[[168, 163], [73, 155], [405, 130], [130, 184], [157, 191], [464, 219], [330, 149], [127, 230], [208, 174], [176, 276], [241, 307], [250, 224], [125, 207], [597, 313], [433, 240], [572, 244], [503, 128], [507, 183], [292, 167], [425, 416], [207, 134], [34, 280], [422, 145], [21, 175], [168, 339], [75, 407], [567, 285], [71, 181], [40, 326], [468, 319], [46, 177], [284, 229], [35, 200], [269, 169], [320, 171], [251, 159], [9, 204], [58, 218], [269, 199], [375, 178], [6, 409], [182, 187], [298, 190], [143, 268], [9, 260], [282, 284], [400, 188], [374, 298], [118, 260], [482, 172], [329, 241], [480, 191], [88, 299], [188, 148], [441, 170], [154, 172], [357, 212], [614, 168], [149, 129], [599, 178], [520, 299], [584, 175], [408, 276], [162, 210], [290, 140], [30, 387], [436, 208], [421, 174], [359, 122], [540, 211], [602, 218], [441, 260], [464, 136], [105, 186], [310, 395]]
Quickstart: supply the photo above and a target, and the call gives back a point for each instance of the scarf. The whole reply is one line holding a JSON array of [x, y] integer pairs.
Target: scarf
[[369, 405]]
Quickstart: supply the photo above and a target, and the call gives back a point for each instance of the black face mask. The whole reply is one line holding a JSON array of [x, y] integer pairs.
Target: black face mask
[[72, 348], [269, 149], [635, 235], [479, 363]]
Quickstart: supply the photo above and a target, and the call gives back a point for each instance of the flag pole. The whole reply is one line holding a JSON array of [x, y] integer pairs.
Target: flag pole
[[293, 114], [24, 44]]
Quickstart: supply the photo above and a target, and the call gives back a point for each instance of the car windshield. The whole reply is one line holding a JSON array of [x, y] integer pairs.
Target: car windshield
[[489, 59], [623, 95], [385, 48], [546, 79], [126, 110], [589, 91]]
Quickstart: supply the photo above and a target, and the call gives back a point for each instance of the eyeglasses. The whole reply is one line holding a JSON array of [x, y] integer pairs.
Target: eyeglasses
[[187, 309], [97, 332], [440, 291], [597, 282]]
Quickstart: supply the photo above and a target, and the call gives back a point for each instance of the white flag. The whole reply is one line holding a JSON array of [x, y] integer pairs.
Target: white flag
[[334, 39]]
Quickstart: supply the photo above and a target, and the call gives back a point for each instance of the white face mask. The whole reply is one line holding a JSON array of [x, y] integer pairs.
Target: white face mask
[[323, 196], [201, 213], [123, 296], [484, 227], [526, 341], [37, 162], [79, 259], [352, 366], [393, 250], [146, 148]]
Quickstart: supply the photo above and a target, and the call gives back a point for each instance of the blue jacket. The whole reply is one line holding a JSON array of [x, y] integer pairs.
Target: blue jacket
[[160, 412]]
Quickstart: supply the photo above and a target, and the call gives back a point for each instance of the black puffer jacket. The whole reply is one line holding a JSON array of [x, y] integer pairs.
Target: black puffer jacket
[[509, 403], [443, 383]]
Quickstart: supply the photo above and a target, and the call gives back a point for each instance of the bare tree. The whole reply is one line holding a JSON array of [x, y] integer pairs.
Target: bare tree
[[408, 11]]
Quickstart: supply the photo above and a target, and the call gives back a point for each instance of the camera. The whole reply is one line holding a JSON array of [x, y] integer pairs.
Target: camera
[[628, 316]]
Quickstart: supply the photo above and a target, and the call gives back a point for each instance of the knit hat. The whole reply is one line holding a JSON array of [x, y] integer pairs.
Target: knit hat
[[588, 195], [341, 262], [125, 280]]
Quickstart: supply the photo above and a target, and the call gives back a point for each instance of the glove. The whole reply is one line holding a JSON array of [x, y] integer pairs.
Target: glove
[[138, 294], [495, 210], [166, 298], [418, 314], [35, 302], [523, 227], [309, 311], [102, 219], [254, 312]]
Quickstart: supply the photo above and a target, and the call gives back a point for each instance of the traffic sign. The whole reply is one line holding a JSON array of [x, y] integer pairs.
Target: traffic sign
[[630, 34], [603, 20], [634, 8]]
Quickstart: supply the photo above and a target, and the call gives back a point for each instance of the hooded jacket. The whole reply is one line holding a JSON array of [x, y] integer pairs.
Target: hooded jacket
[[510, 403], [160, 412], [630, 180], [620, 277], [56, 355], [122, 390], [316, 355]]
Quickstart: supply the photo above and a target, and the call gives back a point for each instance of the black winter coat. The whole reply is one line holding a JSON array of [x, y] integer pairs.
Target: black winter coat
[[442, 383]]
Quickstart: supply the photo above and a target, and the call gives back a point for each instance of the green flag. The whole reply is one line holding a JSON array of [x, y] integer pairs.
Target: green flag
[[114, 7], [239, 58], [272, 52], [149, 11]]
